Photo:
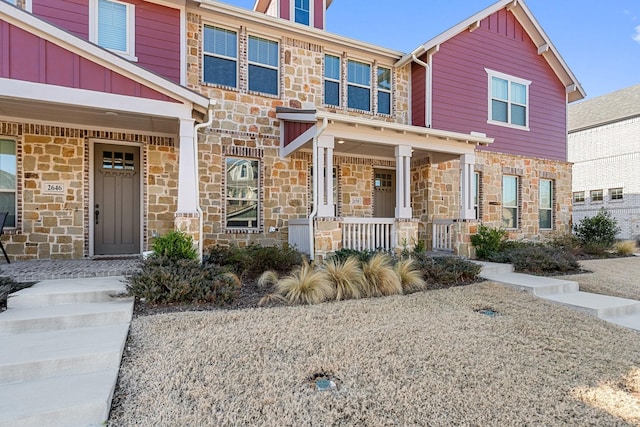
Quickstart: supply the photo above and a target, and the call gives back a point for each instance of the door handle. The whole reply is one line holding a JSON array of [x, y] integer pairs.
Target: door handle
[[97, 214]]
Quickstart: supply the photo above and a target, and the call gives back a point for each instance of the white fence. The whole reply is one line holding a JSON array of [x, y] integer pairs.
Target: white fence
[[443, 233], [368, 233]]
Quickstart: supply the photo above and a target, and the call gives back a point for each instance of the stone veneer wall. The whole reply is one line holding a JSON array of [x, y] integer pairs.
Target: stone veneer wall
[[56, 226], [436, 195]]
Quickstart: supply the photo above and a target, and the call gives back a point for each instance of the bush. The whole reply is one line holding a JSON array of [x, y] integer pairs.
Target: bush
[[410, 275], [346, 277], [446, 271], [379, 276], [165, 279], [541, 259], [488, 241], [344, 254], [306, 285], [251, 261], [597, 233], [175, 245], [625, 247]]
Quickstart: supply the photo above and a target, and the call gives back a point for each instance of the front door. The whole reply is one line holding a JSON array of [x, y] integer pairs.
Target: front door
[[116, 213], [384, 203]]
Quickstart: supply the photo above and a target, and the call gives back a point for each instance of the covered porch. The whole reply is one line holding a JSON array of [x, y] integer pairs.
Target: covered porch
[[365, 175]]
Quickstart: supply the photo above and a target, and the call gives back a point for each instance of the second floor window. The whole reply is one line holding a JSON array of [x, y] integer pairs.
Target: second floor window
[[302, 12], [332, 80], [113, 25], [263, 65], [220, 56], [359, 86], [508, 100], [384, 90]]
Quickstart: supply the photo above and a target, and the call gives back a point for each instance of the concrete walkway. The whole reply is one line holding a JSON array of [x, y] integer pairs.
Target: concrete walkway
[[621, 311], [61, 342]]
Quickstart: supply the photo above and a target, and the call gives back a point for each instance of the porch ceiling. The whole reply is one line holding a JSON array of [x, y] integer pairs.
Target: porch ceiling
[[92, 118]]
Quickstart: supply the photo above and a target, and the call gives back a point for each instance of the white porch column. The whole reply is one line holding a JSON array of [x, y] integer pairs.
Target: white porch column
[[403, 181], [326, 207], [467, 190], [187, 166]]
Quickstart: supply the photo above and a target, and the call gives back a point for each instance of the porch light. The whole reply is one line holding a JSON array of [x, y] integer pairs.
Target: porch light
[[341, 141]]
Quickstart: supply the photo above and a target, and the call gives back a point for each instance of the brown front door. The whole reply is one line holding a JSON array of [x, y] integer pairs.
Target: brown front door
[[116, 213], [384, 203]]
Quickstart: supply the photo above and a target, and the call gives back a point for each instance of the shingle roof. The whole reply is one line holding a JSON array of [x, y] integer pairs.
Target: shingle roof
[[612, 107]]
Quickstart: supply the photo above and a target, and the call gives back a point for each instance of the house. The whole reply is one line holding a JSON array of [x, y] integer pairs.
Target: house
[[604, 147], [121, 120]]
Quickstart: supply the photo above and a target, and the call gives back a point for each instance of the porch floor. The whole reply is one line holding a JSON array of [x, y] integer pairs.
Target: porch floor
[[37, 270]]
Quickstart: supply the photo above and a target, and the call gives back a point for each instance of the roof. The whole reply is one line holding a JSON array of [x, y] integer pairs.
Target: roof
[[612, 107], [530, 25]]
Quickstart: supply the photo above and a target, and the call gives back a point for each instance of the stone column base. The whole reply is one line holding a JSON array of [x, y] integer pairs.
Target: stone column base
[[188, 223]]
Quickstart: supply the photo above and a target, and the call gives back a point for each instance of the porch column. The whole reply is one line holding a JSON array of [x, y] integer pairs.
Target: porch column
[[467, 190], [403, 181], [187, 167], [326, 207]]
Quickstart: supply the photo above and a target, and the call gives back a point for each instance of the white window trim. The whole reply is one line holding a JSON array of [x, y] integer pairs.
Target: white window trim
[[131, 25], [292, 12], [510, 79], [540, 208], [215, 55], [259, 204], [370, 87], [339, 81], [260, 64], [389, 91]]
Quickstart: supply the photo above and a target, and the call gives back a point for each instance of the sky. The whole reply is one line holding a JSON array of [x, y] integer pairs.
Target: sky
[[598, 39]]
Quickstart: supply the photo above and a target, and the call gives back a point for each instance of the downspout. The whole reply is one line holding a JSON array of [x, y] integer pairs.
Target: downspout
[[196, 168], [314, 185]]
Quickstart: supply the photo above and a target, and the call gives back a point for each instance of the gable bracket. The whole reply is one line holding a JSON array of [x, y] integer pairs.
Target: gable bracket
[[543, 48], [474, 26]]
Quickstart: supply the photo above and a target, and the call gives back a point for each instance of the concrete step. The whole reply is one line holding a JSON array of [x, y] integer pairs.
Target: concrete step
[[78, 400], [57, 317], [536, 285], [64, 291], [631, 321], [494, 267], [34, 356], [602, 306]]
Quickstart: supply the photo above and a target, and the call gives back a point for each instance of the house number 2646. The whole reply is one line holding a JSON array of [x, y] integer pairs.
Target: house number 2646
[[53, 187]]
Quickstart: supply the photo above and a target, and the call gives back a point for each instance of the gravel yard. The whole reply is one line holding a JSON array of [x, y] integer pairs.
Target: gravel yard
[[430, 358], [618, 277]]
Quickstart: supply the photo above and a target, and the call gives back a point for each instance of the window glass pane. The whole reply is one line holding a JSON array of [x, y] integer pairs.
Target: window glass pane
[[220, 41], [545, 194], [332, 67], [545, 219], [359, 73], [384, 78], [8, 204], [518, 93], [7, 164], [509, 217], [219, 71], [499, 111], [384, 102], [242, 192], [263, 80], [302, 12], [510, 191], [518, 115], [499, 89], [331, 93], [112, 25], [359, 98], [263, 51]]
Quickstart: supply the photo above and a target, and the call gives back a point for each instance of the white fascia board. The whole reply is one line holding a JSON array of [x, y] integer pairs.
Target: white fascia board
[[94, 53], [41, 92], [297, 117]]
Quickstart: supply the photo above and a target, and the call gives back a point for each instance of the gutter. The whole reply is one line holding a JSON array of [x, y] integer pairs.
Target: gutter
[[314, 185], [196, 168]]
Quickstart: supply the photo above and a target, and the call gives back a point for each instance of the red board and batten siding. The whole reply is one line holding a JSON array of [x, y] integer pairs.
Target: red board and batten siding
[[460, 88], [157, 30], [318, 12], [27, 57], [292, 130]]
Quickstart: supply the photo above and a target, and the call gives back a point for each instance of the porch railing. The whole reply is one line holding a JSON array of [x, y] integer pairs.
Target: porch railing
[[443, 233], [299, 234], [368, 233]]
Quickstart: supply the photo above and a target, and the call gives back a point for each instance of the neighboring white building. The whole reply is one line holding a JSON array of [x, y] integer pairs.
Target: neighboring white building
[[604, 146]]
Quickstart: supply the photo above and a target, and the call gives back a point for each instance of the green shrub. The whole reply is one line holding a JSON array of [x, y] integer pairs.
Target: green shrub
[[446, 271], [176, 245], [344, 254], [251, 261], [597, 233], [488, 241], [164, 279], [543, 259]]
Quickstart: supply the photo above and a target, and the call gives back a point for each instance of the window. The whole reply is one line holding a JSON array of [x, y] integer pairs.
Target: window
[[8, 180], [242, 188], [615, 193], [13, 2], [302, 12], [220, 56], [476, 194], [545, 211], [578, 197], [508, 100], [332, 80], [384, 90], [359, 86], [596, 195], [112, 26], [263, 65], [510, 201]]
